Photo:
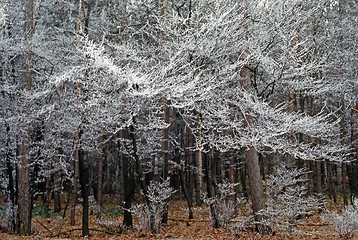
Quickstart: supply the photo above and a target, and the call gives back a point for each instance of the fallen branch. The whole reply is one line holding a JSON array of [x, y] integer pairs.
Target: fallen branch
[[51, 233]]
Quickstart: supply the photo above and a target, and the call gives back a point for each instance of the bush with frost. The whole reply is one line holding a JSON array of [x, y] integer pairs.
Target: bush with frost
[[222, 207], [287, 199], [344, 222], [150, 215]]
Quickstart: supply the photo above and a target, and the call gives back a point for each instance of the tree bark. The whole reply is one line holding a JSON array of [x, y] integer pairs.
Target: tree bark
[[24, 195], [128, 180], [199, 162], [76, 173], [100, 175], [84, 182], [11, 185], [252, 158], [343, 167]]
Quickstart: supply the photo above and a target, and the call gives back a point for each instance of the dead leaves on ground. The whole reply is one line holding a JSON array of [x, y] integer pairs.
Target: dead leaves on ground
[[178, 227]]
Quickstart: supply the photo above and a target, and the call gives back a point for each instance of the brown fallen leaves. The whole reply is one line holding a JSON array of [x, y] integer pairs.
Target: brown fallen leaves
[[178, 227]]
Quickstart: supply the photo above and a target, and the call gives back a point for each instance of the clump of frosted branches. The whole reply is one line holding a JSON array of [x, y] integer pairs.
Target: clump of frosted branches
[[150, 215], [222, 208], [287, 198], [345, 222]]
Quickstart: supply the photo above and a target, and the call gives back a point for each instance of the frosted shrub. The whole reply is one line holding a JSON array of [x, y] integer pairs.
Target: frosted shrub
[[344, 223], [222, 208], [150, 215], [287, 199]]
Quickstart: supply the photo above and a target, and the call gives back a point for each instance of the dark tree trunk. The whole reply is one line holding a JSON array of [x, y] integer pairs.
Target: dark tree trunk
[[84, 182], [243, 176], [189, 200], [23, 177], [343, 166], [76, 173], [128, 180], [11, 186], [209, 189], [100, 174], [331, 182]]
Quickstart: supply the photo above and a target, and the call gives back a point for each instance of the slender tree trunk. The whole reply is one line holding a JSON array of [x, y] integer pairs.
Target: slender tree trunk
[[57, 185], [120, 172], [128, 178], [100, 174], [189, 165], [243, 175], [274, 154], [343, 167], [189, 200], [331, 182], [11, 185], [138, 164], [165, 141], [252, 158], [24, 195], [291, 108], [84, 182], [232, 172], [199, 162], [76, 173], [209, 181], [47, 197]]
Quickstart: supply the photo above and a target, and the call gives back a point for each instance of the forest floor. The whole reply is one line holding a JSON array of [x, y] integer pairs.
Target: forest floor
[[178, 227]]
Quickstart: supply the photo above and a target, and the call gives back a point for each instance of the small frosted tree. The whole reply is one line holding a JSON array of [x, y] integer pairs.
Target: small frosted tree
[[287, 198], [222, 207], [150, 215], [345, 222]]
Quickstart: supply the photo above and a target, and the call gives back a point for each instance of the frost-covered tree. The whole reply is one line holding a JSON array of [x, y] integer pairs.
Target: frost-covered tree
[[287, 199], [139, 82]]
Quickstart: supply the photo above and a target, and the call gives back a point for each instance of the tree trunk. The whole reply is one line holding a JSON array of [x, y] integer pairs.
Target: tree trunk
[[128, 178], [100, 174], [24, 195], [77, 137], [291, 108], [199, 162], [75, 178], [165, 150], [57, 186], [11, 185], [84, 182], [209, 189], [252, 158], [343, 166], [331, 182]]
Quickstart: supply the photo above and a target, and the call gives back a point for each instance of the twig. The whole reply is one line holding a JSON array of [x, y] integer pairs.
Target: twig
[[44, 227]]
